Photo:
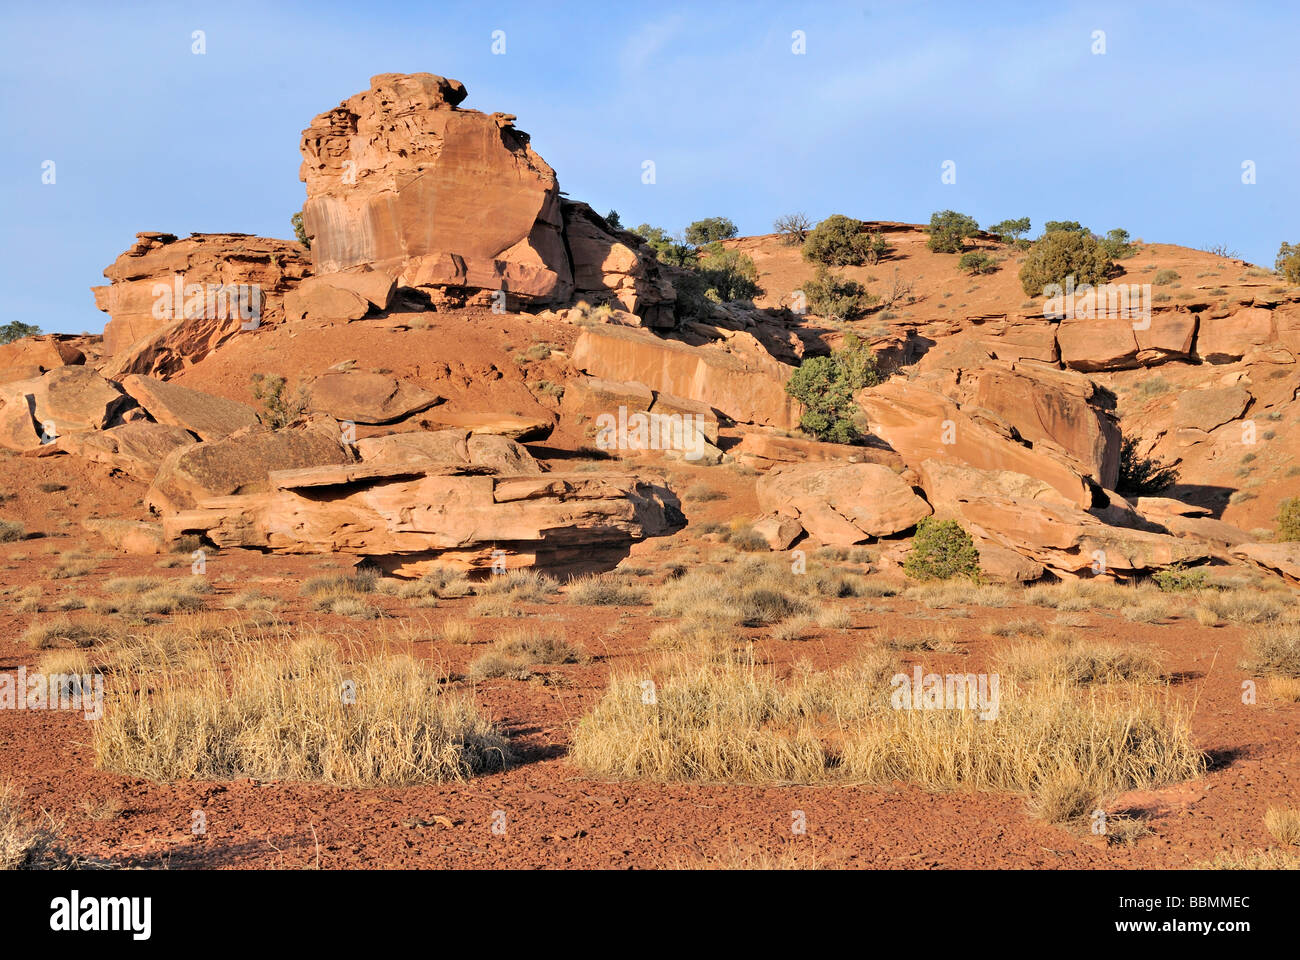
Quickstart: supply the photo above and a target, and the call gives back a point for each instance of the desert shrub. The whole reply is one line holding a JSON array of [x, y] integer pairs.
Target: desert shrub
[[299, 230], [1059, 254], [825, 386], [1274, 651], [977, 261], [281, 410], [1012, 230], [1116, 244], [604, 590], [728, 274], [793, 227], [949, 230], [835, 297], [941, 550], [838, 241], [1176, 578], [709, 230], [614, 220], [1165, 277], [1284, 824], [1288, 519], [1064, 226], [16, 330], [1080, 663], [1287, 264], [294, 713], [666, 247], [11, 530], [1143, 476], [513, 654]]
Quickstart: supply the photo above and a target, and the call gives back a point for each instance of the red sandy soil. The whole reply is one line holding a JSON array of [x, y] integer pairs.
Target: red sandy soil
[[557, 817]]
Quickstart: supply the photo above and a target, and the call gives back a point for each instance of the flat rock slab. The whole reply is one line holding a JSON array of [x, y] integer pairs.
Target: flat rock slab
[[202, 414], [370, 398]]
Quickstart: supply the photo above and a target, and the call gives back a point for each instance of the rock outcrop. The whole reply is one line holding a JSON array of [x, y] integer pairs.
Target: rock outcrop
[[842, 503], [172, 301], [616, 267], [206, 416], [443, 504], [399, 178]]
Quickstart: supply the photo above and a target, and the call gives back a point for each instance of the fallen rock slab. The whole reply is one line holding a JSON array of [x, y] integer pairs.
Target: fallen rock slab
[[206, 416], [370, 398], [842, 503]]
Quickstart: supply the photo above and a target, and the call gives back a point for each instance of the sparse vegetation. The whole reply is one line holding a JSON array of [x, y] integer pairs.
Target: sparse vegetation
[[837, 298], [1062, 253], [840, 241], [299, 230], [281, 410], [941, 550], [977, 262], [1142, 476], [1287, 264], [826, 385], [949, 230], [16, 330], [1288, 520], [294, 713], [793, 228]]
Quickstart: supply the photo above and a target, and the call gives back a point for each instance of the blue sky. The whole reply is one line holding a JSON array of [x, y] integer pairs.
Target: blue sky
[[1150, 136]]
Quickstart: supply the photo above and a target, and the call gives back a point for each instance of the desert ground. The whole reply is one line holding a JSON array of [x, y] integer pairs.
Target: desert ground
[[367, 583]]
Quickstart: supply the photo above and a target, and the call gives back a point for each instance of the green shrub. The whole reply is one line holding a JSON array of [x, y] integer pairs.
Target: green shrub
[[1143, 476], [728, 274], [1116, 244], [977, 261], [1176, 578], [942, 550], [615, 222], [949, 230], [1012, 230], [1288, 262], [1288, 519], [826, 385], [1063, 226], [709, 230], [835, 297], [16, 330], [299, 230], [667, 248], [839, 241], [281, 410], [1059, 254]]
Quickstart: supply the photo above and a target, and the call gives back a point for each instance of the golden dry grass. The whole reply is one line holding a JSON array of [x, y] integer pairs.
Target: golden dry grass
[[603, 590], [1284, 824], [296, 712], [1078, 663], [1274, 651], [732, 722], [514, 653]]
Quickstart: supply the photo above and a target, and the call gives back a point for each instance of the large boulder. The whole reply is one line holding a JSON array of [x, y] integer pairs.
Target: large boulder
[[921, 424], [400, 178], [172, 301], [136, 449], [1056, 407], [65, 400], [1030, 517], [1280, 558], [239, 464], [842, 503], [457, 450], [616, 267], [32, 356], [206, 416], [1228, 339], [369, 397], [1210, 408], [340, 296]]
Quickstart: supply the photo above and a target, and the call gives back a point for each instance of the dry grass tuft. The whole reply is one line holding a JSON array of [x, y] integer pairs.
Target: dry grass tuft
[[1284, 824], [604, 590], [1079, 664], [513, 654], [1274, 651], [294, 713], [67, 632], [733, 723]]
